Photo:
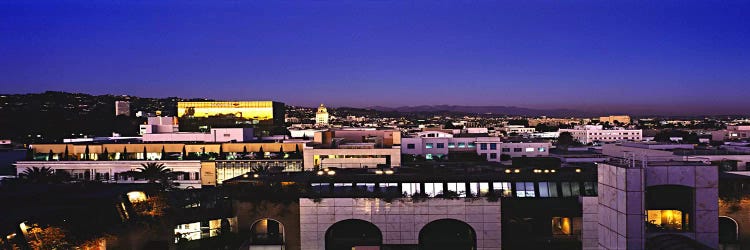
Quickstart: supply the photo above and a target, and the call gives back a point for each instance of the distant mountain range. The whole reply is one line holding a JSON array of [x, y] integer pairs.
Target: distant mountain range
[[495, 110]]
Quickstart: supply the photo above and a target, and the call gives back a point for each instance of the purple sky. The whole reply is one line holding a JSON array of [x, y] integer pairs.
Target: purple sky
[[664, 55]]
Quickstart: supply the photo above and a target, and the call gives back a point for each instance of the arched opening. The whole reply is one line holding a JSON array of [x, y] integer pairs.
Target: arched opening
[[348, 234], [447, 234], [267, 232], [669, 208], [728, 230]]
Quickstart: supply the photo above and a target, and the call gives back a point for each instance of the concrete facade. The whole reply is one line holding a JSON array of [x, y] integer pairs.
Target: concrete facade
[[622, 201], [596, 133], [401, 220]]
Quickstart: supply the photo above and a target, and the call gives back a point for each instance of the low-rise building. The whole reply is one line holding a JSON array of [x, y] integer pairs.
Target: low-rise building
[[518, 129], [436, 144], [495, 149], [612, 119], [733, 132], [596, 133]]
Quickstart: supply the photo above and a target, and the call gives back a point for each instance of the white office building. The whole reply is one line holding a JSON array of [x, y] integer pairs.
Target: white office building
[[596, 133]]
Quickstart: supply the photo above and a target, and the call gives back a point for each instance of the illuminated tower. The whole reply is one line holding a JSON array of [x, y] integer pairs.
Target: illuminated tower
[[321, 117]]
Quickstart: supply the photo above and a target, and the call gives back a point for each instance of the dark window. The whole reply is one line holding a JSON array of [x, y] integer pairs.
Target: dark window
[[493, 146], [410, 146], [441, 145]]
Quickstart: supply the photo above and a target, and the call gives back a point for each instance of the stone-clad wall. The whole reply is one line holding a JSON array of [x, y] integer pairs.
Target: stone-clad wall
[[705, 180], [621, 196], [620, 208], [400, 220], [590, 218], [249, 212]]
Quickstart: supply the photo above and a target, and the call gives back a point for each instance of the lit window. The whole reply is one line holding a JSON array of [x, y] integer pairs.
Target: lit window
[[428, 145], [461, 144], [666, 220], [458, 187], [529, 149], [409, 188], [472, 145], [525, 189], [433, 189], [479, 188], [502, 188], [451, 145], [561, 226], [428, 156], [542, 149], [547, 189]]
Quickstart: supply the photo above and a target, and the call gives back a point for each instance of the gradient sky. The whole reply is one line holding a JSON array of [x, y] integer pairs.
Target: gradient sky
[[543, 54]]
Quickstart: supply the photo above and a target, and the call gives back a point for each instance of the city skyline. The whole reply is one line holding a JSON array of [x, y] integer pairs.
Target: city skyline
[[666, 56]]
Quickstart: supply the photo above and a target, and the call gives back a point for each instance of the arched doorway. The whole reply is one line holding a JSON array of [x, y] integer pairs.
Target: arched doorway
[[346, 234], [447, 234], [266, 233], [728, 230]]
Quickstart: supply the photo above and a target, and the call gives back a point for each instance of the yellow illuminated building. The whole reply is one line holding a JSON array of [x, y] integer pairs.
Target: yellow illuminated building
[[258, 110]]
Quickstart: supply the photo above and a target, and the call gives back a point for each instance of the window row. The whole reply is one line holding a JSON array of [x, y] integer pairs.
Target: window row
[[463, 189]]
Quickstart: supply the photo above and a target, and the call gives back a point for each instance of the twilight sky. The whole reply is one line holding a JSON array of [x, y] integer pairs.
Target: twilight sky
[[691, 56]]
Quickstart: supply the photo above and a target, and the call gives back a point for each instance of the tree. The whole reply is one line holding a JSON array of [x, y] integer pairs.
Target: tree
[[297, 153], [124, 153], [281, 152], [184, 152], [48, 238], [154, 172], [65, 157], [163, 153], [43, 175], [86, 153], [262, 154], [244, 151], [221, 152], [565, 140], [145, 153], [49, 156], [104, 156]]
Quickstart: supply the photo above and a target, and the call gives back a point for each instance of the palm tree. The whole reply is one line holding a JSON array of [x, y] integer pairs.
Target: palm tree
[[42, 175], [154, 172], [36, 174]]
